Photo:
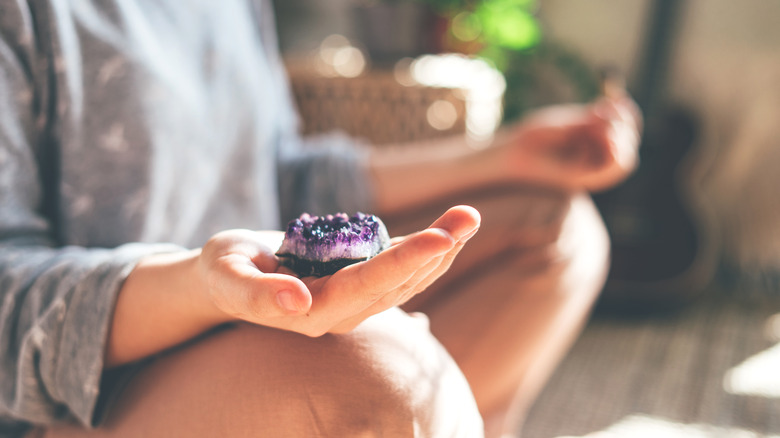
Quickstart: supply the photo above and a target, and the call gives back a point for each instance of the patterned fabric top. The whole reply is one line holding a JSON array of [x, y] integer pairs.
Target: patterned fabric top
[[128, 128]]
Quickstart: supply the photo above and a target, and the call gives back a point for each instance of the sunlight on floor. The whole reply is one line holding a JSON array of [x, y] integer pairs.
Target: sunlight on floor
[[758, 375], [640, 426]]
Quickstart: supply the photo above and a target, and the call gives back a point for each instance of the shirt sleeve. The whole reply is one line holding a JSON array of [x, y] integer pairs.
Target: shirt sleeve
[[320, 174], [56, 303], [323, 174]]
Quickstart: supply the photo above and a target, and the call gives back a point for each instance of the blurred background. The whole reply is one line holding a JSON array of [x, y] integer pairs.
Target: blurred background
[[712, 66], [693, 293]]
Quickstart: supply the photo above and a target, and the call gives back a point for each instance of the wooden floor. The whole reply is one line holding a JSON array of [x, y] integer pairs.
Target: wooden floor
[[711, 370]]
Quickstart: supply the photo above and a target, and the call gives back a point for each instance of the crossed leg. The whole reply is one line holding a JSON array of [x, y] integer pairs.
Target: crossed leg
[[518, 295], [389, 377], [507, 312]]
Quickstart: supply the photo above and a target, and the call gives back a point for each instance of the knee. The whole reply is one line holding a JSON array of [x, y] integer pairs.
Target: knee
[[415, 386], [388, 377], [533, 219], [579, 256], [566, 226], [574, 257], [583, 234]]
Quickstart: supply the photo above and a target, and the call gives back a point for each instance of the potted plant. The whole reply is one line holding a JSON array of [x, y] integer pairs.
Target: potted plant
[[537, 70], [507, 33]]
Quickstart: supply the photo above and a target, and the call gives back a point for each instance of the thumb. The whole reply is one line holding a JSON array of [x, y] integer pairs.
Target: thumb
[[283, 293], [268, 295]]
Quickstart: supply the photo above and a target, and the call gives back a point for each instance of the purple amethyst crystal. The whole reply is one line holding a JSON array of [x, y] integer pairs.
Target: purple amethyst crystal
[[321, 245]]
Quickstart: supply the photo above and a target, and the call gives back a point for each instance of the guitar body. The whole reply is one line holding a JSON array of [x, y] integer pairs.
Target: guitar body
[[664, 247]]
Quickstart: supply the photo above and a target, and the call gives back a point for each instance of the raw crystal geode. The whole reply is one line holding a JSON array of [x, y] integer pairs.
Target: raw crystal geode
[[321, 245]]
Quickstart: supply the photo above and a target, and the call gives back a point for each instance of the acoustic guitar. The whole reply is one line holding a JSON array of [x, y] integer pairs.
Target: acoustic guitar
[[664, 247]]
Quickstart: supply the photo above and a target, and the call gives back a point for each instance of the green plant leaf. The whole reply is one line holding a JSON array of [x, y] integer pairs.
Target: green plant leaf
[[508, 25]]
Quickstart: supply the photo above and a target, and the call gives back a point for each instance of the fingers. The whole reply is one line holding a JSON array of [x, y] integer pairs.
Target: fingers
[[462, 222], [351, 295], [395, 266], [619, 110], [314, 306], [254, 265], [393, 298], [238, 267], [459, 221], [607, 136], [617, 126], [271, 295], [414, 254]]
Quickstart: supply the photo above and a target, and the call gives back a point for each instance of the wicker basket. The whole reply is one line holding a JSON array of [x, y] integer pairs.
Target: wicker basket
[[372, 106]]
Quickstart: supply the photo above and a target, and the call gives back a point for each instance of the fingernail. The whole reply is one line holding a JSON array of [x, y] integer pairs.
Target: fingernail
[[287, 302]]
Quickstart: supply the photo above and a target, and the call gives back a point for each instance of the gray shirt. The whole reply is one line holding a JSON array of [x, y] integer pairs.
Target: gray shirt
[[130, 127]]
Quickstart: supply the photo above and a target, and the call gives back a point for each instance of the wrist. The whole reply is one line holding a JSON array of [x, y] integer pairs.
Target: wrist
[[504, 157], [193, 288], [162, 303]]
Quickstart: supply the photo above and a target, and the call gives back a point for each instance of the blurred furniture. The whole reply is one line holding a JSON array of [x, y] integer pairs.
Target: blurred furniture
[[374, 106]]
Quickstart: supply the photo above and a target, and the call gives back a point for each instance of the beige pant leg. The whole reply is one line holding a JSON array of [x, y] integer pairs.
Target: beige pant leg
[[387, 378], [518, 295]]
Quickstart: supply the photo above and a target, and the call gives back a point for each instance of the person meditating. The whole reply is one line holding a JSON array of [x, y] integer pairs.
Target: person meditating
[[149, 159]]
